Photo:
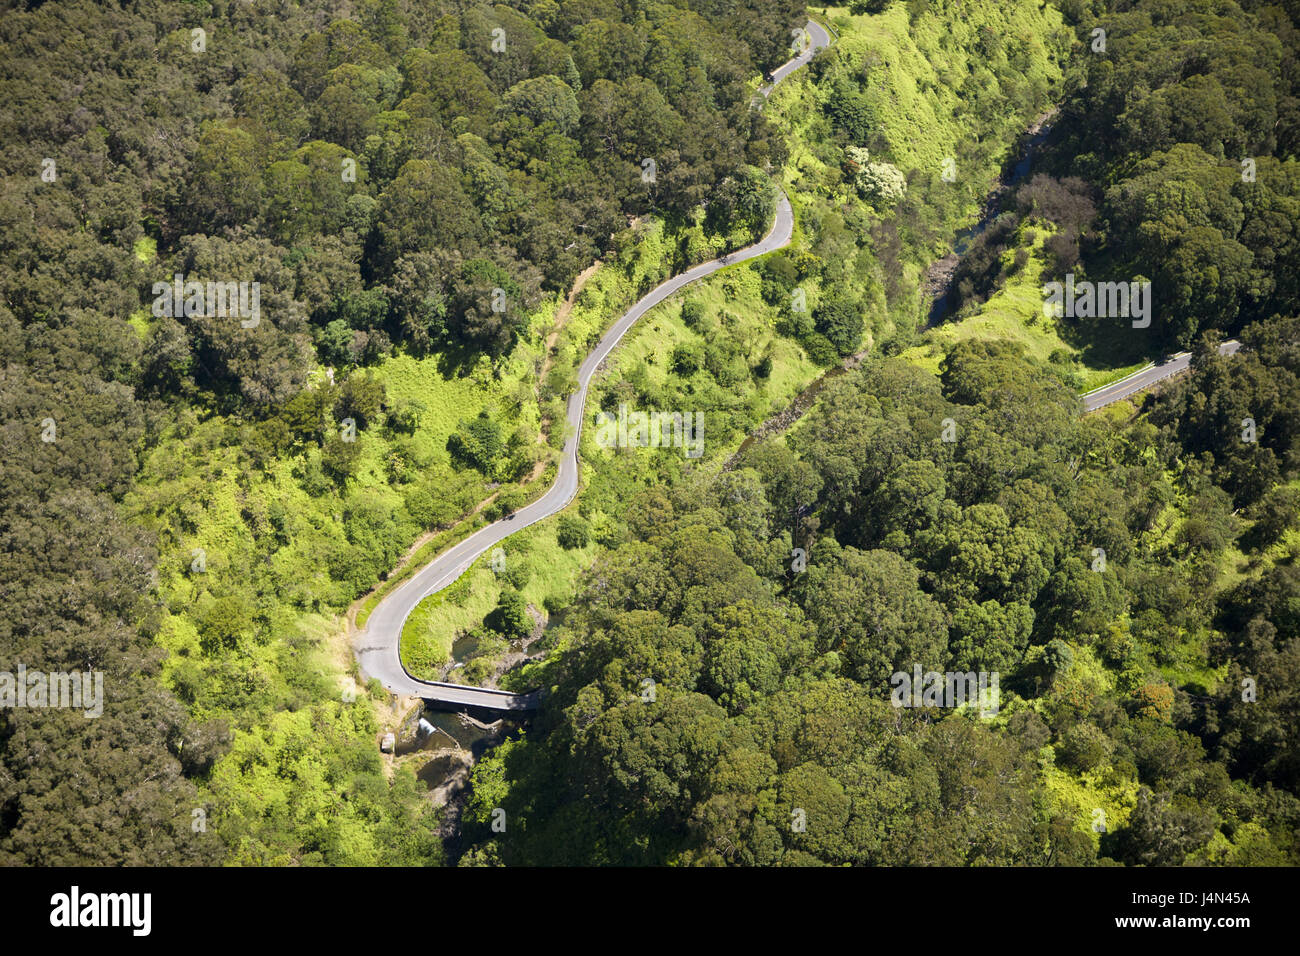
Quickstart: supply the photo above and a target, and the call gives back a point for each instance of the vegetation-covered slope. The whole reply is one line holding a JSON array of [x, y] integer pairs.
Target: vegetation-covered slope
[[1175, 159]]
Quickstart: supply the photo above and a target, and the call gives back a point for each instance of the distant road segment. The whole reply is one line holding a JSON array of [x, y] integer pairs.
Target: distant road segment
[[1144, 378]]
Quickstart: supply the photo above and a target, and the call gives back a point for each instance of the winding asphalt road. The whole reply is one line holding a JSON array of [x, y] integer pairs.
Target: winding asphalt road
[[1144, 378], [377, 645]]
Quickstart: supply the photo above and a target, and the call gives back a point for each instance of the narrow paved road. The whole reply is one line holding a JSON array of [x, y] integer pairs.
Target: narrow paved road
[[1144, 378], [377, 645]]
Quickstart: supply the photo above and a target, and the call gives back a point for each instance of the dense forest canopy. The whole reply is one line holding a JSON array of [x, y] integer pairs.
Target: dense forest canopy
[[190, 501]]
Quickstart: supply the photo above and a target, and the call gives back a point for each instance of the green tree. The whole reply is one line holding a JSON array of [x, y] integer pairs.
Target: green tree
[[510, 616], [572, 532]]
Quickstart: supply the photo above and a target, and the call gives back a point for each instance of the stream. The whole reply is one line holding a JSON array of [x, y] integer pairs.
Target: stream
[[454, 740], [448, 744], [938, 278]]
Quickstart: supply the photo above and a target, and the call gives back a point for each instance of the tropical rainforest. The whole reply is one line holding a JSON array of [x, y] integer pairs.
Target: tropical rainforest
[[444, 204]]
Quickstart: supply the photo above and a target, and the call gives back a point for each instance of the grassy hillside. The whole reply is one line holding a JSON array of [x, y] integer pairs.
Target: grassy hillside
[[1015, 313], [941, 92]]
